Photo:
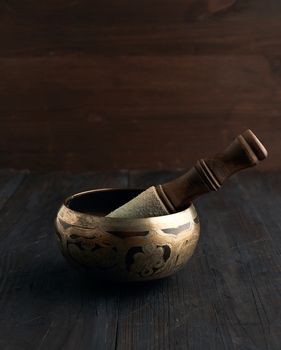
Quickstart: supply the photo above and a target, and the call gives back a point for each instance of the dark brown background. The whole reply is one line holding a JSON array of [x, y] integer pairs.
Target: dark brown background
[[109, 84]]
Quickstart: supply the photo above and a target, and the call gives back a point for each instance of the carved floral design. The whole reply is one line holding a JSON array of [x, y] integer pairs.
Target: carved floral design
[[146, 260]]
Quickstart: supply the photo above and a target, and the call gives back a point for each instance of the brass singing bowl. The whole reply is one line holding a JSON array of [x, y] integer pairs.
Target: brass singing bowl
[[124, 249]]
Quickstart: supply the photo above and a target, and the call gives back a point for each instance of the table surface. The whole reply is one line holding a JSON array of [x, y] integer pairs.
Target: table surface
[[226, 297]]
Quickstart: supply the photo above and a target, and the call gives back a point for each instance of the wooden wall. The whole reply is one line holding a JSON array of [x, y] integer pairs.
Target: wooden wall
[[107, 84]]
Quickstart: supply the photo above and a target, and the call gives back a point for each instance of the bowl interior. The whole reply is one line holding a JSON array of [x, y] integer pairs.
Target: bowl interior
[[100, 202]]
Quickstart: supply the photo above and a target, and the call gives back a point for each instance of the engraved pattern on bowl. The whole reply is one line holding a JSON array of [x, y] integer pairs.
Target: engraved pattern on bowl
[[128, 249]]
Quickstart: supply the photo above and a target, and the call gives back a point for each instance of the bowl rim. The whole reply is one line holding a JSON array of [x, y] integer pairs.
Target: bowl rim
[[65, 210]]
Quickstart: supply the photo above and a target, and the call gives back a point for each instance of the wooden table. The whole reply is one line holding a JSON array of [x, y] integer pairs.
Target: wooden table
[[227, 296]]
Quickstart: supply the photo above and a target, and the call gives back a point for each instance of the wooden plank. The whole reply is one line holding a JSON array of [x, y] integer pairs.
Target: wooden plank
[[10, 180], [106, 28], [264, 201], [44, 302], [169, 116]]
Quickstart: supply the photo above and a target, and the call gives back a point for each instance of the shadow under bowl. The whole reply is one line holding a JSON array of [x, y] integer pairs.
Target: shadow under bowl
[[124, 249]]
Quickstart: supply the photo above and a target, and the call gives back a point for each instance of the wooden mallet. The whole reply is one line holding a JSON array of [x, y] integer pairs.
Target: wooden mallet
[[206, 175]]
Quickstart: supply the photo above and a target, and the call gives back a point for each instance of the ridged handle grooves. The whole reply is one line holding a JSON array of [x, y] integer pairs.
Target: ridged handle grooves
[[245, 151]]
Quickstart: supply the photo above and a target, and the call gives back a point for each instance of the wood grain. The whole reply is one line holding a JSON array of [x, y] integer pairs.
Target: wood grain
[[226, 297], [136, 84], [36, 284]]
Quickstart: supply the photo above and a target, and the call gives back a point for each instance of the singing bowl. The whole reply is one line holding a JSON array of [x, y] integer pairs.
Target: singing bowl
[[124, 249]]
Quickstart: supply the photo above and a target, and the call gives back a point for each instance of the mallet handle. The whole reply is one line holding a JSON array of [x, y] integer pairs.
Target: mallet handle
[[209, 174]]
